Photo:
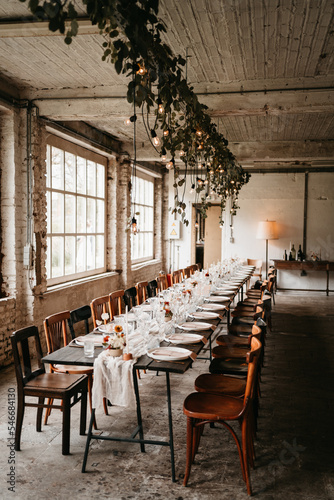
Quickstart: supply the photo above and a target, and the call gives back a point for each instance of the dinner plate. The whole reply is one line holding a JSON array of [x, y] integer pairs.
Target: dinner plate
[[204, 315], [97, 339], [144, 307], [225, 291], [184, 338], [104, 329], [194, 325], [214, 298], [169, 353], [212, 307]]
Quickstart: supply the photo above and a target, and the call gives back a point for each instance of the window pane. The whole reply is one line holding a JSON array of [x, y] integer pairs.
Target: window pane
[[70, 173], [99, 251], [81, 254], [91, 178], [69, 254], [48, 211], [48, 259], [90, 252], [69, 213], [100, 216], [81, 175], [57, 212], [57, 256], [91, 215], [57, 169], [100, 176], [81, 214]]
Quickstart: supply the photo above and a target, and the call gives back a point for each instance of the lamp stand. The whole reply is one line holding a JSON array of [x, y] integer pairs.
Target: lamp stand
[[266, 259]]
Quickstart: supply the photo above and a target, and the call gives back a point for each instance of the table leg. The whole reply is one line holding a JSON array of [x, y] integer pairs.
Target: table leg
[[89, 437], [139, 417], [170, 423], [66, 426]]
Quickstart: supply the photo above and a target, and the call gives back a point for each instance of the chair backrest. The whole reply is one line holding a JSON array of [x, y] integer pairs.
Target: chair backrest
[[257, 263], [193, 268], [22, 356], [252, 359], [83, 313], [55, 327], [176, 277], [152, 288], [99, 306], [186, 272], [162, 282], [130, 297], [142, 295], [115, 303]]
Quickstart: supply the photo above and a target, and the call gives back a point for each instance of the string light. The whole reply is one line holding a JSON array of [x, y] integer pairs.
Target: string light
[[166, 133], [134, 227], [170, 164], [182, 153], [192, 188]]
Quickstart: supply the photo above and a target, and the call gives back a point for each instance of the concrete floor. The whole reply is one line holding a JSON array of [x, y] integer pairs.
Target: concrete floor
[[295, 458]]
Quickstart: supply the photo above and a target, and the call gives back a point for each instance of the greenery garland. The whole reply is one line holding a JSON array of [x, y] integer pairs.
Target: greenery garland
[[133, 44]]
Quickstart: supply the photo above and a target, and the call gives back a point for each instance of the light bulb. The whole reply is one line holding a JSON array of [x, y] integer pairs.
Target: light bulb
[[141, 71], [206, 181], [199, 133], [134, 227], [163, 158], [170, 165], [182, 153], [196, 223], [166, 132], [161, 109], [156, 140], [192, 188], [127, 121]]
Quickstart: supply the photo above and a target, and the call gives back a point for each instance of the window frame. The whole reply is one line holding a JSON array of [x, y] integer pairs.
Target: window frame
[[137, 207], [71, 148]]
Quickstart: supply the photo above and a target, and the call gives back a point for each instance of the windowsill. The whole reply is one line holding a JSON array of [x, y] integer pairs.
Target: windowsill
[[81, 281], [140, 265]]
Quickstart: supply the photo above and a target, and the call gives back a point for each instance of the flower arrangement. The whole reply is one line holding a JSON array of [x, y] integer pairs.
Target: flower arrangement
[[104, 317], [116, 340], [314, 256]]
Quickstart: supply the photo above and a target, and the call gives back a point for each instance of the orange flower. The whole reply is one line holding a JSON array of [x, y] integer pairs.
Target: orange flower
[[106, 338], [118, 328]]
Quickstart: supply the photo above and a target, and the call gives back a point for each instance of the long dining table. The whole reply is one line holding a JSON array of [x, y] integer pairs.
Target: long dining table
[[74, 355]]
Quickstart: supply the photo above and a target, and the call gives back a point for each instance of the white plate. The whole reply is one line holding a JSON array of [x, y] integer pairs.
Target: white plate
[[194, 326], [97, 339], [184, 338], [169, 353], [225, 291], [144, 307], [204, 315], [103, 329], [213, 298], [212, 307]]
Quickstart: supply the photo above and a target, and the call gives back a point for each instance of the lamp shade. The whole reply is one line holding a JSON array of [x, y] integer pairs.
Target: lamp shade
[[267, 230]]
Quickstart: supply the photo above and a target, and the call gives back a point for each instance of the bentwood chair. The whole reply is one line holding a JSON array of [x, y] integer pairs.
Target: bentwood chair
[[115, 303], [55, 328], [100, 306], [142, 294], [176, 277], [203, 408], [152, 288], [257, 263], [35, 383], [78, 315], [130, 297], [162, 282]]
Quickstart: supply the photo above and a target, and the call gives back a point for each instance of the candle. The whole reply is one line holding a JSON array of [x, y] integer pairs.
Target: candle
[[126, 330]]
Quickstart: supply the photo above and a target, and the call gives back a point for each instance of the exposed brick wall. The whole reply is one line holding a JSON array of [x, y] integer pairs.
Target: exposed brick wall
[[7, 315]]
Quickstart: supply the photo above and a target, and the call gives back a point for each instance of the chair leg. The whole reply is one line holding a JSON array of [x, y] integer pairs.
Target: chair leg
[[48, 411], [245, 454], [83, 413], [39, 415], [19, 421], [189, 450], [105, 406]]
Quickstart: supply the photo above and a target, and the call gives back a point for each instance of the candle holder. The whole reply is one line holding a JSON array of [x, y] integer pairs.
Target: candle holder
[[127, 356]]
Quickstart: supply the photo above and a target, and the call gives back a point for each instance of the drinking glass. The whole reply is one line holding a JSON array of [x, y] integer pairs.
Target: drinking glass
[[89, 348]]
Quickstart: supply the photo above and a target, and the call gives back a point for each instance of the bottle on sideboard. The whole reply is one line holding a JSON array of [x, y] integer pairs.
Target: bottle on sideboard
[[300, 254], [293, 252], [290, 256], [285, 256]]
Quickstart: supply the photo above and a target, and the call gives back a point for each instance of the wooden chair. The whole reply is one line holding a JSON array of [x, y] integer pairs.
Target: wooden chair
[[186, 272], [203, 408], [99, 306], [69, 389], [257, 263], [115, 303], [83, 313], [176, 277], [152, 288], [141, 288], [130, 297], [55, 328], [162, 282]]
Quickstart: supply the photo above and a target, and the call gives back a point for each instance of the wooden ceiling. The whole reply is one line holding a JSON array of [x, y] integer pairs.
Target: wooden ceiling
[[264, 68]]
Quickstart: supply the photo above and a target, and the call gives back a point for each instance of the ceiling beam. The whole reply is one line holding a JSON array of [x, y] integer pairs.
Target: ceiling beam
[[26, 28]]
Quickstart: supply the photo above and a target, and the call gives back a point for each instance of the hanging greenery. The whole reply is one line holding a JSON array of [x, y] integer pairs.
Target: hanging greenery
[[133, 44]]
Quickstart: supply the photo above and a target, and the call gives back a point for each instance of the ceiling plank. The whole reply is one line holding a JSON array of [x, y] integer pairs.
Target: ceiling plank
[[24, 29]]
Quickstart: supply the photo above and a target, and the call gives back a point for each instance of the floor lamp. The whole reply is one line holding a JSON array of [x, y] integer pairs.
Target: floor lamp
[[267, 230]]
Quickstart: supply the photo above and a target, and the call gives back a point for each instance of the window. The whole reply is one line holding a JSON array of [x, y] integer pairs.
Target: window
[[143, 202], [75, 212]]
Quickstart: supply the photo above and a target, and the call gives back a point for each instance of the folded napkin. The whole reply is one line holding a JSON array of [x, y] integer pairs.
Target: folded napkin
[[113, 380]]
